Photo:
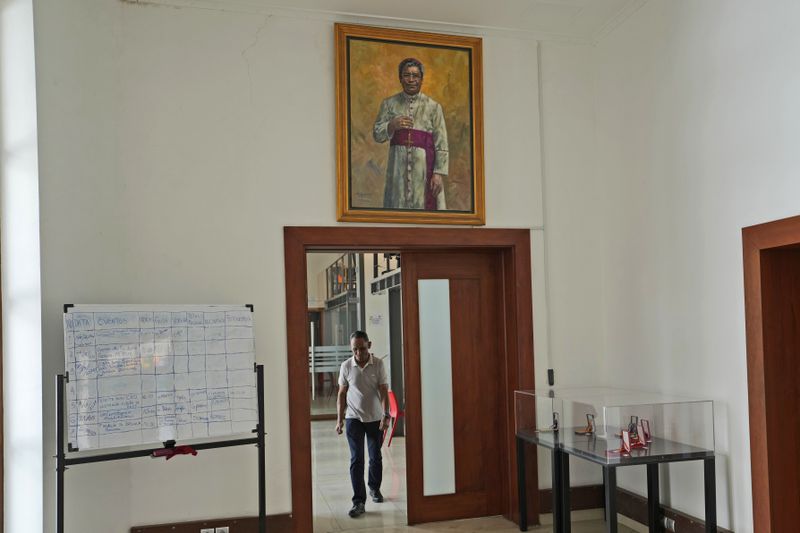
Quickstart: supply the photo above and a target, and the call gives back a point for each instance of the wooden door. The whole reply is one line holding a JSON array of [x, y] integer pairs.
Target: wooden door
[[780, 302], [772, 310], [478, 357]]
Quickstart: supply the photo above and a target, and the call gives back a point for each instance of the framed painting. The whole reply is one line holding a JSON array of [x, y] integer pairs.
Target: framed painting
[[409, 118]]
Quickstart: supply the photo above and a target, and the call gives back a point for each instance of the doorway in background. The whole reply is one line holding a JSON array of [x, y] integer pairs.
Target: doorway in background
[[514, 355], [349, 291]]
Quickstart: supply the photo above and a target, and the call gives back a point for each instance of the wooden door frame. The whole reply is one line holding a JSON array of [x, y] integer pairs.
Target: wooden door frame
[[755, 240], [514, 247]]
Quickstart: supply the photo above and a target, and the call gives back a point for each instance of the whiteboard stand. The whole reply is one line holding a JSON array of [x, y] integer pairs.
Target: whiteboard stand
[[62, 461]]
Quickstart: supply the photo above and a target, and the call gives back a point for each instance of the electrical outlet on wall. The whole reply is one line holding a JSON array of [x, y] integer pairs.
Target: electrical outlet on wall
[[224, 529]]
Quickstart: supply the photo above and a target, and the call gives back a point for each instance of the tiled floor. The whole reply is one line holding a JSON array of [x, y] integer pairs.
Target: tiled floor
[[324, 401], [332, 493]]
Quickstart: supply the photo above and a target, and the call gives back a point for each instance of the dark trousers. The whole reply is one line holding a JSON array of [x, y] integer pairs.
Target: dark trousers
[[356, 431]]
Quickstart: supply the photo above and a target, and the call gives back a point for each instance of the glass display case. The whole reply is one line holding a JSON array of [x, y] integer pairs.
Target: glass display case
[[608, 425], [614, 428]]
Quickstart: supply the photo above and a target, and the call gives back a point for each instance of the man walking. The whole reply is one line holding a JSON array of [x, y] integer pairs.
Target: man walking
[[362, 406]]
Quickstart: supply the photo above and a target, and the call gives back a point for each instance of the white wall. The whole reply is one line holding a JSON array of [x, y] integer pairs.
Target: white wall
[[316, 263], [572, 214], [573, 231], [175, 144], [697, 127]]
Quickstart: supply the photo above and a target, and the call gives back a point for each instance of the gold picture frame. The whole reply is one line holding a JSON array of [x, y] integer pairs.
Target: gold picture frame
[[404, 154]]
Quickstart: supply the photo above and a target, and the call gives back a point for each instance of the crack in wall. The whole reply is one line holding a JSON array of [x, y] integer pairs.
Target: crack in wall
[[151, 3], [250, 47]]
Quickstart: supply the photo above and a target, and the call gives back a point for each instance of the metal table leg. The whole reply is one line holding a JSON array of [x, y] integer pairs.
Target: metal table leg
[[653, 507], [566, 522], [558, 515], [522, 488], [710, 480], [611, 499], [605, 482]]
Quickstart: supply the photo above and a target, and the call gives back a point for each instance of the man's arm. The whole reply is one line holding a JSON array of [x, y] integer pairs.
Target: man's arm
[[383, 392], [388, 121], [380, 131], [341, 405], [441, 164]]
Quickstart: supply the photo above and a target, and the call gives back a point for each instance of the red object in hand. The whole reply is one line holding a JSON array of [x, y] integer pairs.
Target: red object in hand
[[395, 413], [169, 453]]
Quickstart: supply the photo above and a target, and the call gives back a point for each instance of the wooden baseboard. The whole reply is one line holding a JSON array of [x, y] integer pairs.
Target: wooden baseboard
[[628, 504], [581, 497], [279, 523]]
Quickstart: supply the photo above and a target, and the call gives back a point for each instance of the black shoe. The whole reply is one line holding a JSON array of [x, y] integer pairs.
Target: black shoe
[[357, 510], [377, 497]]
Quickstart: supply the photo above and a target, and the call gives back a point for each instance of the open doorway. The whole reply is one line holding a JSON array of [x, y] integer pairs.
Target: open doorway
[[349, 291], [512, 352]]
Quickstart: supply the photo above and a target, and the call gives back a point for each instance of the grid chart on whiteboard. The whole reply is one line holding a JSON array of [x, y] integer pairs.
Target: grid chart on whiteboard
[[150, 376]]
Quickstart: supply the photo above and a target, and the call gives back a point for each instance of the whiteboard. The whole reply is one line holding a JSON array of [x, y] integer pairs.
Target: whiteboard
[[143, 374]]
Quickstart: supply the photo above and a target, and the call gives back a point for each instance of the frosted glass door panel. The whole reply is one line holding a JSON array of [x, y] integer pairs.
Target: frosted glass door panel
[[436, 377]]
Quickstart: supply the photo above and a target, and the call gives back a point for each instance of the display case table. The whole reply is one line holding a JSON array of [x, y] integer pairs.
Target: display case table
[[600, 447]]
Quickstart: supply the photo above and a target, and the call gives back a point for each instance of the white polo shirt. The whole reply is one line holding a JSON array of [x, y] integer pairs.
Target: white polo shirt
[[363, 398]]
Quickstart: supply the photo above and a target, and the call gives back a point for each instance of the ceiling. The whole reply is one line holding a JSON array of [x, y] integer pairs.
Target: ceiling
[[577, 20]]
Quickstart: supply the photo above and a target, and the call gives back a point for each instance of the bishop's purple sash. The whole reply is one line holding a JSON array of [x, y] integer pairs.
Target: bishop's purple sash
[[420, 139]]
